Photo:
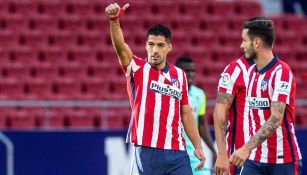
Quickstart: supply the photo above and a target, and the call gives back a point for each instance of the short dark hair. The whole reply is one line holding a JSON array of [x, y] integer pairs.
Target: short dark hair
[[183, 59], [261, 27], [159, 29]]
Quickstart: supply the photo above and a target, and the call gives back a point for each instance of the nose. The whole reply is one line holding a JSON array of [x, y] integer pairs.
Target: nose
[[155, 49], [241, 46]]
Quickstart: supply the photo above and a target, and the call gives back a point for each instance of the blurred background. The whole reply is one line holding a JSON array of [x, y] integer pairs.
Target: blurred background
[[63, 97]]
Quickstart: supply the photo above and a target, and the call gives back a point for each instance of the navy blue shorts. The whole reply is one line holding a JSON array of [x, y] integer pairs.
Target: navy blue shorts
[[256, 168], [235, 170], [153, 161]]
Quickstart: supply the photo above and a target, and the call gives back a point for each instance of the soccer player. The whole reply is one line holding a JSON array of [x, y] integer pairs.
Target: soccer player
[[197, 101], [159, 101], [231, 101], [272, 148]]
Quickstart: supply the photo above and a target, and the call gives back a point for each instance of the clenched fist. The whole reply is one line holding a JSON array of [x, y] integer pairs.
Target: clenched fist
[[114, 11]]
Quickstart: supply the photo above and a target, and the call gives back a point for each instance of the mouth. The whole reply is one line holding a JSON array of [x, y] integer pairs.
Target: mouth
[[155, 57]]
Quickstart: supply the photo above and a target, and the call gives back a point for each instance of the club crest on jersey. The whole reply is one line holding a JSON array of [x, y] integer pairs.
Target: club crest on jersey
[[165, 89], [175, 82], [264, 85]]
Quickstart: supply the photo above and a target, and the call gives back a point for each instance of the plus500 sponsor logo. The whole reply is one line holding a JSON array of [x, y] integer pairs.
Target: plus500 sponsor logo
[[258, 103], [165, 89]]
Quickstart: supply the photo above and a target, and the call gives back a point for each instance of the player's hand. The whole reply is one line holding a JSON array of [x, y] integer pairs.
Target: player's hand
[[113, 10], [200, 155], [222, 164], [239, 156]]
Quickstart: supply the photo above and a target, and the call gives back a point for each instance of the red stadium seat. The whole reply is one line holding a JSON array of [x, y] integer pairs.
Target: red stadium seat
[[91, 39], [33, 39], [25, 8], [62, 39], [73, 24], [44, 71], [55, 119], [118, 88], [79, 8], [16, 23], [97, 23], [53, 8], [65, 89], [218, 8], [11, 88], [250, 8], [22, 120], [38, 89], [17, 71], [95, 88], [80, 119], [23, 55], [8, 39], [43, 23], [52, 55], [213, 23]]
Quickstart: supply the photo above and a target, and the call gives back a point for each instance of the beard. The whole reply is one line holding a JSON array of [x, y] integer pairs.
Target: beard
[[155, 62], [252, 55]]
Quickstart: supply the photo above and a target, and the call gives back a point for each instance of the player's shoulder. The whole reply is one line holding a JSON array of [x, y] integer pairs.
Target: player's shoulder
[[284, 65], [173, 67], [138, 59]]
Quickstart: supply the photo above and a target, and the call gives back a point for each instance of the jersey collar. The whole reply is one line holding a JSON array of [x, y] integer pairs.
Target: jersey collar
[[268, 66], [166, 68]]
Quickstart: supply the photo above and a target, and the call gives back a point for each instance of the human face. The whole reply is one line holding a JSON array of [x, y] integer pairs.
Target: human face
[[189, 69], [157, 49], [248, 46]]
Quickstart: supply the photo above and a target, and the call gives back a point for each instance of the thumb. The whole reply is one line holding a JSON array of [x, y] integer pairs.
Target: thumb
[[126, 6]]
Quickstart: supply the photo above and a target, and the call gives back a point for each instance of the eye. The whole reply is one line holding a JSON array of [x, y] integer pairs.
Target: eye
[[160, 45]]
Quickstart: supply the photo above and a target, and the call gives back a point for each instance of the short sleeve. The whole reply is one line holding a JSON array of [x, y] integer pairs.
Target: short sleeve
[[282, 86], [134, 65], [202, 109], [228, 79], [184, 97]]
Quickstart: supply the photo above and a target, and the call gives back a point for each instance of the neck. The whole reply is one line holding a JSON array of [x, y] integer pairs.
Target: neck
[[263, 58], [159, 66]]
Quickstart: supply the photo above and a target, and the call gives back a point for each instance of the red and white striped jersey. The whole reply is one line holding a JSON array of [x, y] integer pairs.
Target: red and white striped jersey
[[155, 98], [275, 82], [234, 81]]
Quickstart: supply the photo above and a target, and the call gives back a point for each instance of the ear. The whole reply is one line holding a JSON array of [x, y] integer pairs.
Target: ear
[[170, 46], [257, 42]]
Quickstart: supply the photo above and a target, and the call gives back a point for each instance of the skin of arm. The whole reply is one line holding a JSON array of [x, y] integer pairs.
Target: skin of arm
[[265, 131], [223, 104], [192, 132], [121, 48]]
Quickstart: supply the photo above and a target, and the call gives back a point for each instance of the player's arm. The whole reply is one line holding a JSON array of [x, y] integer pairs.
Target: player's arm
[[113, 11], [265, 131], [192, 132], [223, 103], [204, 129]]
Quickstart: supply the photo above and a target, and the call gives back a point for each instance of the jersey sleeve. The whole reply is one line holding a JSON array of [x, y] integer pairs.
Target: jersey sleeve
[[228, 79], [134, 65], [184, 97], [283, 84], [202, 109]]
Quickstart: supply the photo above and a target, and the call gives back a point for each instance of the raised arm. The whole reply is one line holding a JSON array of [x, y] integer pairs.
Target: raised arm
[[193, 133], [223, 103], [114, 12], [265, 131]]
